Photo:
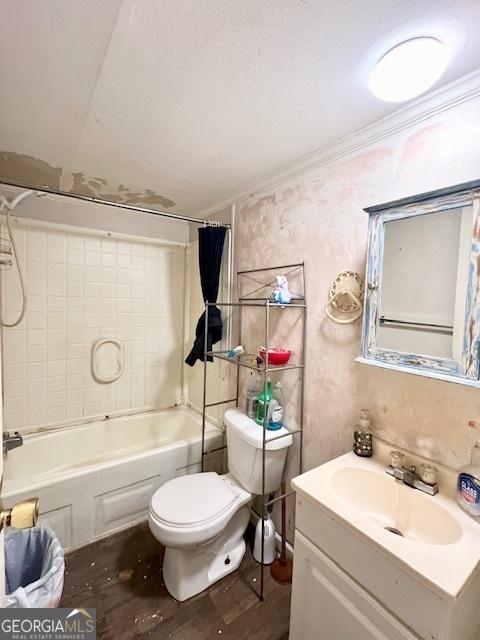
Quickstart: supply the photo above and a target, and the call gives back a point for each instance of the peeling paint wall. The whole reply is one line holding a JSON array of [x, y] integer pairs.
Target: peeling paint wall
[[78, 213], [95, 187], [17, 167], [318, 218], [35, 172]]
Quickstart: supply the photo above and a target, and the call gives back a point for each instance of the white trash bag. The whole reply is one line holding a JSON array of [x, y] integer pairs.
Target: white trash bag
[[34, 568]]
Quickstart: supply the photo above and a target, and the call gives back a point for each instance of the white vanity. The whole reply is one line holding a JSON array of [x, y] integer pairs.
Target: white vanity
[[356, 580]]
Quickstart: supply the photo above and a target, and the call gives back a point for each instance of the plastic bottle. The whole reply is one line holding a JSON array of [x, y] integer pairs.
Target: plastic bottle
[[276, 409], [468, 488], [236, 351], [262, 403], [253, 389], [269, 549]]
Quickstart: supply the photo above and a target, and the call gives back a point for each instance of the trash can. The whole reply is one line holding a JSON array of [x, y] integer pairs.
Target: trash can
[[34, 568]]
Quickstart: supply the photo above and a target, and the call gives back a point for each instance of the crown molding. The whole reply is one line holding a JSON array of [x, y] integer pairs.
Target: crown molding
[[428, 106]]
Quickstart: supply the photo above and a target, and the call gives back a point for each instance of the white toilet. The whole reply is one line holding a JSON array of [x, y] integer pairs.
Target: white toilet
[[201, 517]]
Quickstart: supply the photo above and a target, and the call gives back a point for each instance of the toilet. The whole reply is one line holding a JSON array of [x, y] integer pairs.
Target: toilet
[[201, 517]]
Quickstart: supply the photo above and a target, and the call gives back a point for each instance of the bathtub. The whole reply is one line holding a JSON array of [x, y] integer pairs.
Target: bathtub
[[94, 479]]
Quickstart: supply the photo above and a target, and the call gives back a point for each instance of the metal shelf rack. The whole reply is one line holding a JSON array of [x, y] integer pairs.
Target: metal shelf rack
[[246, 301]]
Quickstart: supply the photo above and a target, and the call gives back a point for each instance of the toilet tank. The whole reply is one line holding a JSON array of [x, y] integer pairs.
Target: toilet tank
[[244, 446]]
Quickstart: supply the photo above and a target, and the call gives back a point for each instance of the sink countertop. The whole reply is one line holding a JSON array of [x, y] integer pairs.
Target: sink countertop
[[444, 567]]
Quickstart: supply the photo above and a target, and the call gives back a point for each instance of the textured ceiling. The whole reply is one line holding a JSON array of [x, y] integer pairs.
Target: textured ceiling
[[178, 103]]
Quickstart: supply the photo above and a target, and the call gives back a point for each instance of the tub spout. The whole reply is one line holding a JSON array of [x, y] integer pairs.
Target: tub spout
[[11, 441]]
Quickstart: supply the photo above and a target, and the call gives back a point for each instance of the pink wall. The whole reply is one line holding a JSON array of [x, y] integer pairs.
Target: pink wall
[[318, 218]]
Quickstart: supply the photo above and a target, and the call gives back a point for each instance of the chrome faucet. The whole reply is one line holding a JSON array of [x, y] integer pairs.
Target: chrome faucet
[[424, 479], [11, 441]]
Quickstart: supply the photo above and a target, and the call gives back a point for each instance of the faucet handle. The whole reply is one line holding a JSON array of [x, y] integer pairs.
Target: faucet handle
[[397, 459], [428, 474]]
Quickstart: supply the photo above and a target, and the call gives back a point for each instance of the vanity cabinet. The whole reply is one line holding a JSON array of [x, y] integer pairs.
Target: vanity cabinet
[[347, 588], [328, 604]]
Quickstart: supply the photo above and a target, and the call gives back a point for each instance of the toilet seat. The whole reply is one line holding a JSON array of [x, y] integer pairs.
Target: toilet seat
[[193, 509], [193, 499]]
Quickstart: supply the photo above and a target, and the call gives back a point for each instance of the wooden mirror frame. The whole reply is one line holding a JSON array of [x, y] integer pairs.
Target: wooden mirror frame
[[466, 370]]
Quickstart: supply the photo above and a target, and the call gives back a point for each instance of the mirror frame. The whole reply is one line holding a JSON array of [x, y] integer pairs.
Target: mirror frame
[[466, 371]]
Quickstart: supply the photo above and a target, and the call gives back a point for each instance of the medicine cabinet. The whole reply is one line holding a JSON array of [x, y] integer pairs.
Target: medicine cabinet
[[422, 298]]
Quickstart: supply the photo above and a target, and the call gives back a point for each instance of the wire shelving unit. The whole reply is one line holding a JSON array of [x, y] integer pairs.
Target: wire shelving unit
[[251, 299]]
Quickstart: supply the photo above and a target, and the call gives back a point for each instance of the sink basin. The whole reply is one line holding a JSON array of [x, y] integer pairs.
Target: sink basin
[[379, 559], [395, 507], [429, 536]]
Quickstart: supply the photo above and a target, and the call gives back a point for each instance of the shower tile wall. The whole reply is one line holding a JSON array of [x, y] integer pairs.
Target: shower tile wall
[[83, 286]]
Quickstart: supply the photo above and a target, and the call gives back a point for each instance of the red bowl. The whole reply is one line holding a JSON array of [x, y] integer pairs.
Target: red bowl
[[276, 357]]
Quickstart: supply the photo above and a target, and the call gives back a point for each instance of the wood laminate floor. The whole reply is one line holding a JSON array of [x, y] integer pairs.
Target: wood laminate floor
[[121, 577]]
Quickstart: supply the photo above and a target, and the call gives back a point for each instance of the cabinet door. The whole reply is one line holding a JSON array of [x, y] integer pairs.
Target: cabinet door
[[328, 605]]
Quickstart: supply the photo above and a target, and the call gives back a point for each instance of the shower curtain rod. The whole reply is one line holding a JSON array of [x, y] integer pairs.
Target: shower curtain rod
[[119, 205]]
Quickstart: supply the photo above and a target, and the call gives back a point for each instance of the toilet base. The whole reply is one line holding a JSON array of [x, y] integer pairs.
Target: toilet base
[[187, 572]]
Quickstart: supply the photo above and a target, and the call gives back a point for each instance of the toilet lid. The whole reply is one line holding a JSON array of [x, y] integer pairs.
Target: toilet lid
[[193, 498]]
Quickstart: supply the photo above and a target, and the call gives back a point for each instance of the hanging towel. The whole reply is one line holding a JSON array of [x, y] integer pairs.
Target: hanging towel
[[215, 327], [210, 250]]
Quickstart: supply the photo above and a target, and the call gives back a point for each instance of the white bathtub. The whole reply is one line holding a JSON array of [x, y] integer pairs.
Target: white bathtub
[[94, 479]]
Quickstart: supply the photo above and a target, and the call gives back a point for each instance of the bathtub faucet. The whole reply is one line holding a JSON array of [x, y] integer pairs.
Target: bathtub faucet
[[11, 441]]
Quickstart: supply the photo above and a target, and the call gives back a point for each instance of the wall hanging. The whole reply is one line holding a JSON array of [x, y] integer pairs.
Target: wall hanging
[[345, 298]]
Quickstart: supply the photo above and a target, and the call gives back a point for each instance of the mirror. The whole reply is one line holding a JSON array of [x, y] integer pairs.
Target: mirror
[[422, 302], [424, 283]]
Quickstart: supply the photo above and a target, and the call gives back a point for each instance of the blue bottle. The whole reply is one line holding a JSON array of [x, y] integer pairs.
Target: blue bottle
[[276, 409]]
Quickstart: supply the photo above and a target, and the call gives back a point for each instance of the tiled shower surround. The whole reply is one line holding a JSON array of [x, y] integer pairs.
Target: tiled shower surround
[[81, 286]]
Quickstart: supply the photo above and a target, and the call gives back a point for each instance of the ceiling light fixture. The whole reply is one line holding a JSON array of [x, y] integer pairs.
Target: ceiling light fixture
[[408, 69]]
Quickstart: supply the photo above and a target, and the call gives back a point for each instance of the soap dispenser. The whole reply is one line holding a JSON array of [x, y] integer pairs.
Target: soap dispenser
[[468, 489], [362, 436]]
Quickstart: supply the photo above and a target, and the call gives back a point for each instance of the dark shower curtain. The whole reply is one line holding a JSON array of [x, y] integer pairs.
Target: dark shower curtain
[[210, 250]]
